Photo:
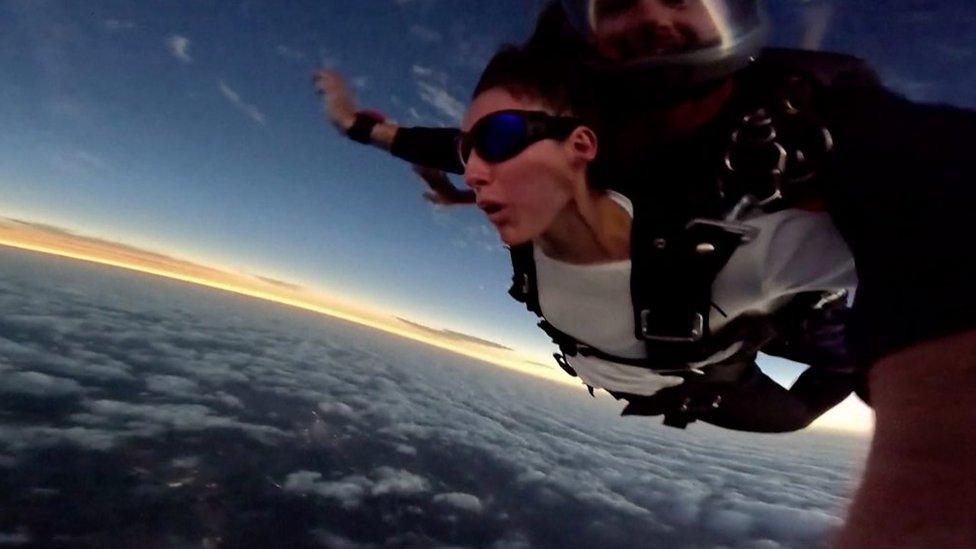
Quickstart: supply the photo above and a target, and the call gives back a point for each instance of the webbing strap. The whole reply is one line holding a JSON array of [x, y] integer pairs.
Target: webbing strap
[[523, 287], [671, 282]]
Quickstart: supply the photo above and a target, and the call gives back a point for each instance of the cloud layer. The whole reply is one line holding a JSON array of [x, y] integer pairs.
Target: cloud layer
[[285, 421]]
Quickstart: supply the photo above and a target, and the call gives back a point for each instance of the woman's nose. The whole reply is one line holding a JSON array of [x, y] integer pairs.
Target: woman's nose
[[476, 171]]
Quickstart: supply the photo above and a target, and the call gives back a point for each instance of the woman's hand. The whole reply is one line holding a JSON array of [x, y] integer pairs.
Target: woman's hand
[[338, 101], [442, 191]]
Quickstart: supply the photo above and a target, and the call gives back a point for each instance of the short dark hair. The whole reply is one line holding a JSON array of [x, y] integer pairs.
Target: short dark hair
[[557, 84]]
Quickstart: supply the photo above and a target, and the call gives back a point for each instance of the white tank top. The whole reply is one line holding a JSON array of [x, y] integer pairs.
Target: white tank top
[[794, 251]]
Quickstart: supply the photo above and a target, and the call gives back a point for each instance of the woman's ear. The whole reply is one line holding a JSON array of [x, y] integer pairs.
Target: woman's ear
[[583, 143]]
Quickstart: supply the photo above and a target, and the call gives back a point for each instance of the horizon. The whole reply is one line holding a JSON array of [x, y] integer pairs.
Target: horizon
[[850, 417]]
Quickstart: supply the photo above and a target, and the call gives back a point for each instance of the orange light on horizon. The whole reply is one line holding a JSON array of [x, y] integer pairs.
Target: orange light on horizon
[[850, 417], [26, 236]]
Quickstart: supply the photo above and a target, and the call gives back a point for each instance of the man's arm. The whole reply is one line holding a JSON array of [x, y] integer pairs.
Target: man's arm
[[904, 197], [761, 405], [809, 329], [753, 402], [919, 486]]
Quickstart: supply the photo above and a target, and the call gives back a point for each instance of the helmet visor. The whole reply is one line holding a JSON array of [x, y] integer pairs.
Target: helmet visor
[[668, 32]]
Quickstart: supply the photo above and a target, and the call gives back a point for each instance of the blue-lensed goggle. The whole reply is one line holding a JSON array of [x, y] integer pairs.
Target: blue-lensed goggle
[[504, 134]]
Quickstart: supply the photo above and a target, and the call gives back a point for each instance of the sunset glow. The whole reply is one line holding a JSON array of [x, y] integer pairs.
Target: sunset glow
[[49, 240], [850, 416]]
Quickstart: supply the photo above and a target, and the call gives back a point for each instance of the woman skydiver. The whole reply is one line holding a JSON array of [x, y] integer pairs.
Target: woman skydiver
[[529, 151]]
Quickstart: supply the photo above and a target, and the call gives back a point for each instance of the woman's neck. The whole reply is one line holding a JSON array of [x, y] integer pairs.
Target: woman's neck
[[591, 229]]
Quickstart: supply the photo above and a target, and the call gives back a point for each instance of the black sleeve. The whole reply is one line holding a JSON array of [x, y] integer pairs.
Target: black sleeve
[[902, 191], [752, 402], [761, 405], [430, 147]]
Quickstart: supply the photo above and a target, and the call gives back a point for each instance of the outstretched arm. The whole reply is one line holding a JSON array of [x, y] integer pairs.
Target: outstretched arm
[[340, 107], [430, 147]]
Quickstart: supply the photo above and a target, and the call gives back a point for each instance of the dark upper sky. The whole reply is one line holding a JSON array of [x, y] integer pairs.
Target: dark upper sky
[[191, 128]]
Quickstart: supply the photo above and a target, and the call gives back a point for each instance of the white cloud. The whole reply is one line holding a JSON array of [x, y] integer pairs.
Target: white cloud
[[184, 417], [171, 385], [398, 482], [406, 449], [37, 384], [338, 408], [228, 399], [179, 46], [359, 82], [350, 491], [235, 99], [422, 71], [189, 462], [466, 502], [335, 541], [289, 53], [433, 89], [429, 74], [328, 59], [15, 538], [442, 100], [21, 438]]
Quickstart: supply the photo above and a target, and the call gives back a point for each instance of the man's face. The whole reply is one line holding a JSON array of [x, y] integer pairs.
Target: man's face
[[522, 195], [626, 30]]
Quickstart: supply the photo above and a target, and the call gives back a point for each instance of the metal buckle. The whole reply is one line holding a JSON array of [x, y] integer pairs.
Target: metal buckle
[[828, 299], [696, 332], [714, 403]]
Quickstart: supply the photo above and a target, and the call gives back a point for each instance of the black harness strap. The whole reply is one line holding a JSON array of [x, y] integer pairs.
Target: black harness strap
[[671, 283], [524, 288], [570, 346]]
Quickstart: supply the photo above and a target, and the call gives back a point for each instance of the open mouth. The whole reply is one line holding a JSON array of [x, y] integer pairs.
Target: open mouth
[[491, 209]]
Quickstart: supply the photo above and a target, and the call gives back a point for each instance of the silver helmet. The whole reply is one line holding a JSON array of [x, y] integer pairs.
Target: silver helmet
[[686, 41]]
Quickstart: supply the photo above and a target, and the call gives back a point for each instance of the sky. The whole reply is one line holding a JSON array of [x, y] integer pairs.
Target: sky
[[190, 129]]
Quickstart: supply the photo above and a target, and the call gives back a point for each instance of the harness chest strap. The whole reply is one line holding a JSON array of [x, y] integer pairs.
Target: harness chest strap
[[669, 286], [672, 274]]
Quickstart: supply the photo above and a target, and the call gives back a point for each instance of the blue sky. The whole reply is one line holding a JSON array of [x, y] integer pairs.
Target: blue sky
[[191, 128]]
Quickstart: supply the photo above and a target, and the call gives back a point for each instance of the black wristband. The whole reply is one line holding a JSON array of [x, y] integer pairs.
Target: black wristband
[[361, 128]]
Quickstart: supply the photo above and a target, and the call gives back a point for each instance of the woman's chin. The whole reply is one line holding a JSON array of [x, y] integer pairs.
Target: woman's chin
[[512, 237]]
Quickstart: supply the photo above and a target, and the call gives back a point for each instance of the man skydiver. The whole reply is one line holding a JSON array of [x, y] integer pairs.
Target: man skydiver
[[698, 126], [893, 175]]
